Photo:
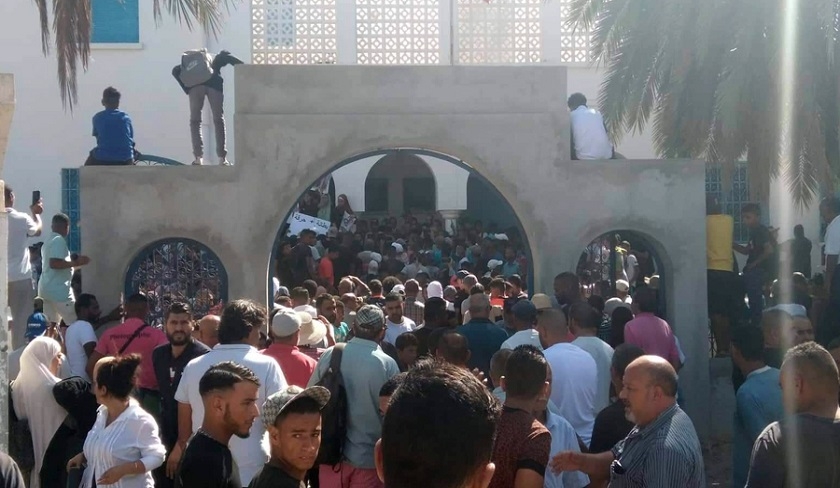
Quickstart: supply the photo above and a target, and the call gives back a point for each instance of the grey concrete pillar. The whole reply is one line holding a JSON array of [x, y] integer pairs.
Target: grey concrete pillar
[[7, 109]]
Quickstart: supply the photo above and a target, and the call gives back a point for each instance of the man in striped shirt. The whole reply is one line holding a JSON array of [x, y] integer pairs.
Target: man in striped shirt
[[661, 450]]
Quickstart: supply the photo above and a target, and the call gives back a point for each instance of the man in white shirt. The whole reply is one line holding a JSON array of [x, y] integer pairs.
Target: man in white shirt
[[523, 321], [80, 338], [54, 285], [589, 134], [575, 374], [584, 322], [830, 326], [239, 332], [631, 264], [20, 292], [563, 438], [397, 323]]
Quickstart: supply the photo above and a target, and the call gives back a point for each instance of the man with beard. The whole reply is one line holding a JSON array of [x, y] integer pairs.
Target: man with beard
[[239, 332], [169, 362], [229, 392]]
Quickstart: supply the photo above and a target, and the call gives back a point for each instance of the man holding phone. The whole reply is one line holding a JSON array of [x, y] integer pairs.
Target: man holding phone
[[20, 292], [54, 286]]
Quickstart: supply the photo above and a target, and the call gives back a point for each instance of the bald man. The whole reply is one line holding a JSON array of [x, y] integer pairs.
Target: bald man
[[804, 449], [208, 330], [661, 450], [454, 349], [483, 336]]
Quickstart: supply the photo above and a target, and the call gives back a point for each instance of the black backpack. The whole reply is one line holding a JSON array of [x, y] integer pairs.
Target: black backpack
[[334, 414]]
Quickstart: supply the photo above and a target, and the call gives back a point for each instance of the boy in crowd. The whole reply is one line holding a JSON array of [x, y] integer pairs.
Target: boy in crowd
[[293, 419]]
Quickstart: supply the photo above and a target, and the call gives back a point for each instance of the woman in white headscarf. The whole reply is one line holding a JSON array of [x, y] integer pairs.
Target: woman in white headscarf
[[32, 394]]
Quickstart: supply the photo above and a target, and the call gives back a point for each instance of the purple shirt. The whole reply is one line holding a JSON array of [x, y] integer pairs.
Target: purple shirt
[[653, 335]]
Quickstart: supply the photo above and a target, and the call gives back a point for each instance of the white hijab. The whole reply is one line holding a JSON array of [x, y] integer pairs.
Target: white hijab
[[32, 393]]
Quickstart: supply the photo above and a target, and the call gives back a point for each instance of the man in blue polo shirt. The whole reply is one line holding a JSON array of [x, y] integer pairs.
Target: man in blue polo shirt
[[113, 132]]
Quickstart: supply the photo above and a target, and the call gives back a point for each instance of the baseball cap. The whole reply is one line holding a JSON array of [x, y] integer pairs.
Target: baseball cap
[[493, 264], [370, 317], [276, 403], [309, 309], [287, 321], [462, 274], [282, 291], [525, 310], [397, 247], [399, 289], [622, 285], [373, 268], [541, 301], [612, 304]]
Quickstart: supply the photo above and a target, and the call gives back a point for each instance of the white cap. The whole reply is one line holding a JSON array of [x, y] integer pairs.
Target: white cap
[[307, 309], [287, 321], [397, 247]]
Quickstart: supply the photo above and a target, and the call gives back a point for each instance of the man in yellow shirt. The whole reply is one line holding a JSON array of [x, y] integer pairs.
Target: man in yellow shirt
[[725, 290]]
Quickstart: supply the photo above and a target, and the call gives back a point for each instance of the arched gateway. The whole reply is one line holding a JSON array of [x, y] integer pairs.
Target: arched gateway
[[509, 124]]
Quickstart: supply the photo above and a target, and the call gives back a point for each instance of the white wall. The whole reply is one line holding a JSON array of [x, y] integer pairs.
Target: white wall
[[46, 138]]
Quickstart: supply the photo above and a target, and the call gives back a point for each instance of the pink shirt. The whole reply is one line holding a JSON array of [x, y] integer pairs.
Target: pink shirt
[[297, 367], [653, 335], [113, 340]]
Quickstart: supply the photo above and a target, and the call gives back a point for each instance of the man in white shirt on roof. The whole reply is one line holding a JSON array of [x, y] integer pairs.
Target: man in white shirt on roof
[[20, 292], [239, 332], [574, 373], [589, 135], [524, 320]]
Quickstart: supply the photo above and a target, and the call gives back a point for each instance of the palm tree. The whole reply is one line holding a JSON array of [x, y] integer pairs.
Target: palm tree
[[71, 29], [709, 73]]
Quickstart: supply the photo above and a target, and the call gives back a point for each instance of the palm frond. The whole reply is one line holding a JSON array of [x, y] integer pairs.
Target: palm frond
[[71, 23], [44, 22]]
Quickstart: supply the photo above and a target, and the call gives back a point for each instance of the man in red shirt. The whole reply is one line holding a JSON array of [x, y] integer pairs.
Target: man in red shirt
[[285, 334], [326, 273], [134, 336]]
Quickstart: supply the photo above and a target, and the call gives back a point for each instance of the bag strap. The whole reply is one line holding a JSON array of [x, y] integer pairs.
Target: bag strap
[[131, 339], [335, 358]]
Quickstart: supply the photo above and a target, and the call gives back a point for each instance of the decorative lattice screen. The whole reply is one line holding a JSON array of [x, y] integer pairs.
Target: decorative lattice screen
[[498, 32], [398, 31], [574, 44], [293, 31]]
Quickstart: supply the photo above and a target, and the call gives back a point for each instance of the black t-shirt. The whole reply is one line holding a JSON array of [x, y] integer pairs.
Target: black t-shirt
[[207, 463], [168, 372], [299, 264], [803, 450], [10, 476], [759, 237], [272, 476], [611, 426]]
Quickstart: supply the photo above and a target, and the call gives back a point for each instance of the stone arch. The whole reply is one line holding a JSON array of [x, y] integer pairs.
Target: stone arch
[[436, 160], [643, 241], [663, 259], [177, 268]]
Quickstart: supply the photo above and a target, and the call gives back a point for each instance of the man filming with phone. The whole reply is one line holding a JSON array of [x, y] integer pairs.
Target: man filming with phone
[[54, 285], [20, 292]]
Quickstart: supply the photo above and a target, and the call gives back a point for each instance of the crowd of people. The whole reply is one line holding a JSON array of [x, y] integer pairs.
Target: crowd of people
[[401, 354]]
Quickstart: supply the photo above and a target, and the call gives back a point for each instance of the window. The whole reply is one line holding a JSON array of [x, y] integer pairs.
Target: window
[[115, 21], [376, 195], [735, 199], [419, 194]]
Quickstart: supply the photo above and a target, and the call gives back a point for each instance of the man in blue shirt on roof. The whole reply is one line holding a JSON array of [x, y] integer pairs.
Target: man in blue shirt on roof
[[113, 132]]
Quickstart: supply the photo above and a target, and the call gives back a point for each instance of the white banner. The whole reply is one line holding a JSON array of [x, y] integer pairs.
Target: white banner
[[298, 222]]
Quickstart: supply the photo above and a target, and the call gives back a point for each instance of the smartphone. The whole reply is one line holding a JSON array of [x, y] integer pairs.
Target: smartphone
[[36, 197]]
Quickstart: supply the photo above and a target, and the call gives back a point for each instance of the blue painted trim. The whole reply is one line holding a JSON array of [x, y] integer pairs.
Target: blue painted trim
[[415, 151]]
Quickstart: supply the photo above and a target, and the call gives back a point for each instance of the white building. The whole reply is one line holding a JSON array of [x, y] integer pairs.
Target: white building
[[135, 54]]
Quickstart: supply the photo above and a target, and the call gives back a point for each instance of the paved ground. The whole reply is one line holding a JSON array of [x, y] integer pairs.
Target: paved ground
[[718, 461]]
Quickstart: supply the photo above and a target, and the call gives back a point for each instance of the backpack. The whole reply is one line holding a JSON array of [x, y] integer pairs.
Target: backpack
[[196, 67], [334, 413]]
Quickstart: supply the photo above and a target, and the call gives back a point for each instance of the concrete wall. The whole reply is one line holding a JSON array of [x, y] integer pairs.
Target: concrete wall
[[7, 110], [486, 117]]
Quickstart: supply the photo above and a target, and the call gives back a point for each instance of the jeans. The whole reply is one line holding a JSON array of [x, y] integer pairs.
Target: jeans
[[754, 280], [217, 104]]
